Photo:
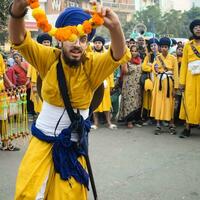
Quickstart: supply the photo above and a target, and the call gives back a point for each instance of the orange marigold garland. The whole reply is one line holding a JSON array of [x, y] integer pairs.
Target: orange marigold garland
[[70, 33]]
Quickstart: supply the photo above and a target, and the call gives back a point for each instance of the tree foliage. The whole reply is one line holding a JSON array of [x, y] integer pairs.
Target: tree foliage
[[173, 23], [4, 4]]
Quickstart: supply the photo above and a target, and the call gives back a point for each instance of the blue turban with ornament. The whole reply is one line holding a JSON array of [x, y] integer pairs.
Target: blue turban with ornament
[[165, 41], [73, 16]]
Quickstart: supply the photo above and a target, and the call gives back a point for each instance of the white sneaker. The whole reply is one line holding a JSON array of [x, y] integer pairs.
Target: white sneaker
[[94, 127], [138, 125], [112, 126]]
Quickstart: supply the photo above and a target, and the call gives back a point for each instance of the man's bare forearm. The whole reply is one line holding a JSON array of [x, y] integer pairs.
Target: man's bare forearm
[[112, 23], [17, 26], [118, 43]]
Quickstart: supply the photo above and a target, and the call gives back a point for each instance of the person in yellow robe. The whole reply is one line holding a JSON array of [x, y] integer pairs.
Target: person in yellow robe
[[32, 74], [190, 80], [46, 40], [45, 171], [108, 83], [165, 68], [152, 47]]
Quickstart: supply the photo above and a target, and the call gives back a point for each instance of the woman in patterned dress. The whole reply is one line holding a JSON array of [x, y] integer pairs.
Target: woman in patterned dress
[[131, 100]]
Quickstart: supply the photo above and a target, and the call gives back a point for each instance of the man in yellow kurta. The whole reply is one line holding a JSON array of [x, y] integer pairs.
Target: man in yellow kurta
[[39, 177], [190, 80], [108, 83], [165, 69]]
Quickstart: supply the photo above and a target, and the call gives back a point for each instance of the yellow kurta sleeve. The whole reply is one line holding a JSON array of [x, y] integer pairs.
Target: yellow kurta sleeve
[[104, 65], [39, 56], [175, 73], [146, 67], [184, 66], [2, 66]]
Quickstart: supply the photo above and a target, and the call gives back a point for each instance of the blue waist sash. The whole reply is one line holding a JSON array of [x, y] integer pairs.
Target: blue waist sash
[[65, 152], [168, 76]]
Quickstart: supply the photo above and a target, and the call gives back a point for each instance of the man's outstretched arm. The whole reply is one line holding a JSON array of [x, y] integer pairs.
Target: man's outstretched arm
[[16, 25], [118, 42], [112, 23]]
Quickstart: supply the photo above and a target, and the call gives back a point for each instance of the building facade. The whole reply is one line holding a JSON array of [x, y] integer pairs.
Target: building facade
[[52, 9], [142, 4], [124, 8]]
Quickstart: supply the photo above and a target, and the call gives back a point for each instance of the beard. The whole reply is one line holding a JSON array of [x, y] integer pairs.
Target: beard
[[98, 50], [72, 62]]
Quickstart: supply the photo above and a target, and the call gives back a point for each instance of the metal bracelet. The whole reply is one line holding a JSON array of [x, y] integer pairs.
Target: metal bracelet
[[15, 16]]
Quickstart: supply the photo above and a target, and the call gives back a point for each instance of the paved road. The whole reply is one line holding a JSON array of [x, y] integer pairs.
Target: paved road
[[131, 165]]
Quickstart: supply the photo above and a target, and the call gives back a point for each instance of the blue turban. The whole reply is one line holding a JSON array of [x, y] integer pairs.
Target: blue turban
[[194, 23], [150, 42], [174, 42], [99, 38], [44, 36], [165, 41], [73, 16], [153, 40]]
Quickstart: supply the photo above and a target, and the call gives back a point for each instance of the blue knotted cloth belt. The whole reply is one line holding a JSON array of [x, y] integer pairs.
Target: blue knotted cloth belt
[[65, 152], [162, 75]]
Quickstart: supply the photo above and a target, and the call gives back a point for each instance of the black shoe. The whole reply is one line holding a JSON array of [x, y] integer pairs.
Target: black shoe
[[172, 130], [185, 133], [157, 130]]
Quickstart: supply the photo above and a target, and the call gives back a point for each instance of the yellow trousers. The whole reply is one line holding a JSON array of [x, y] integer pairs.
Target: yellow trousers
[[36, 167]]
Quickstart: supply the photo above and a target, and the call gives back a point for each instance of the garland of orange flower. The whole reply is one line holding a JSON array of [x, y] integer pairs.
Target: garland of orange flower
[[70, 33]]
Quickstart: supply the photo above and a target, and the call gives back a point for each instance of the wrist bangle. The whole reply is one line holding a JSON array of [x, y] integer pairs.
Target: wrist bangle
[[15, 16]]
